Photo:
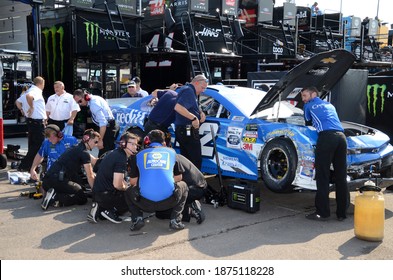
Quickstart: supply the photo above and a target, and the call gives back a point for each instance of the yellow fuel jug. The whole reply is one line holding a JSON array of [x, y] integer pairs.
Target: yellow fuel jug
[[369, 213]]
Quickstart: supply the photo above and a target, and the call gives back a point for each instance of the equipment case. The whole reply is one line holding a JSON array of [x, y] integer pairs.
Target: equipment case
[[244, 197]]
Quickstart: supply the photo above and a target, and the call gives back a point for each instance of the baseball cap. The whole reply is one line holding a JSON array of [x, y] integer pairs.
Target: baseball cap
[[136, 80], [131, 84]]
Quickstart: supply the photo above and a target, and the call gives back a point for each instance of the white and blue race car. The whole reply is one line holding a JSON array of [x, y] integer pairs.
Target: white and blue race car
[[263, 134]]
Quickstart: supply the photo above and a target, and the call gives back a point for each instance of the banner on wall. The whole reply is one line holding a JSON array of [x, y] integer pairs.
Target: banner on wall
[[379, 113], [94, 33]]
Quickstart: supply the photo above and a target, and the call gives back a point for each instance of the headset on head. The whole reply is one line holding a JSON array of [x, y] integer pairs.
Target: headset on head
[[146, 141], [87, 135], [56, 129], [86, 95], [123, 141]]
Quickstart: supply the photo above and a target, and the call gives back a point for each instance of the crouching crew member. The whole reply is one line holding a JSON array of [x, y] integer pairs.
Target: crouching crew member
[[63, 182], [110, 185], [197, 184], [156, 182]]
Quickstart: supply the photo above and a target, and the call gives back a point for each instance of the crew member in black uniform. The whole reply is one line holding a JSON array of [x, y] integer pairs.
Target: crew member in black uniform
[[102, 116], [63, 182], [188, 119], [110, 185]]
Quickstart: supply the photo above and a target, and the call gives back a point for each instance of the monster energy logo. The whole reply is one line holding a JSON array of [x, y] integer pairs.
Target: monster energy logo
[[92, 32], [50, 36], [375, 93]]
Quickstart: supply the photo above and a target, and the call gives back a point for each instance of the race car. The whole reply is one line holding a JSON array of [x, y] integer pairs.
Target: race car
[[262, 135]]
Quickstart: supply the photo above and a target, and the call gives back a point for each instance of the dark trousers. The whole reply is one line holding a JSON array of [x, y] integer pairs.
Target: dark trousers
[[194, 193], [111, 200], [137, 203], [190, 146], [67, 192], [60, 124], [331, 148], [35, 137], [109, 138], [151, 125]]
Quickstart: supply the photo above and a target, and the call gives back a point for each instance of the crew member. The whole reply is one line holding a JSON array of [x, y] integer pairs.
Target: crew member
[[102, 116], [63, 182], [331, 148], [156, 182], [188, 119], [110, 185]]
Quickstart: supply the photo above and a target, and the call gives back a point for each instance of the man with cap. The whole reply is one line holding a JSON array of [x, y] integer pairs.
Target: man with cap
[[132, 91], [139, 90]]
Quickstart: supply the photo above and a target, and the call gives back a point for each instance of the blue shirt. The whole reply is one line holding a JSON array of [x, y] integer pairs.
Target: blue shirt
[[163, 112], [100, 111], [156, 167], [188, 99], [322, 114], [53, 152]]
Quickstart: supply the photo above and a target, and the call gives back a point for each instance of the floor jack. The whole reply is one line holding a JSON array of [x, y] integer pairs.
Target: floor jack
[[212, 196]]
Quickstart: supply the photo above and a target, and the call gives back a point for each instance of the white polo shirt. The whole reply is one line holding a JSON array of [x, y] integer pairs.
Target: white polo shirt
[[61, 107]]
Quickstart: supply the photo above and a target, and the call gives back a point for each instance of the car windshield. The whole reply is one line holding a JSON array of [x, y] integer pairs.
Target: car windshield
[[244, 99]]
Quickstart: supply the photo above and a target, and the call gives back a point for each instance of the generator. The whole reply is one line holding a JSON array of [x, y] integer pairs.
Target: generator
[[243, 196]]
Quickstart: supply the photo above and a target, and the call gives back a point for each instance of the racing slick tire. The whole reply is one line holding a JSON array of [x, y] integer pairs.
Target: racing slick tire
[[278, 165]]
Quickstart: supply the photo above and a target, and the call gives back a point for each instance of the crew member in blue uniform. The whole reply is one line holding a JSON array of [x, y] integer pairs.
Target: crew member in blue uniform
[[156, 182], [188, 119], [63, 182], [331, 148], [163, 113], [53, 146]]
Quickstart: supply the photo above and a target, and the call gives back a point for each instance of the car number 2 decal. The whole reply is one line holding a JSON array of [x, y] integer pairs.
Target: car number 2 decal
[[207, 139]]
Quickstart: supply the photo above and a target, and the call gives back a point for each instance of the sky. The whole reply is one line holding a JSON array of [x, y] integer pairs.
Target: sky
[[358, 8]]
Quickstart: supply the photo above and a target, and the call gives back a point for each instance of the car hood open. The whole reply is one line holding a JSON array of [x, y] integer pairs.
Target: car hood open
[[323, 71]]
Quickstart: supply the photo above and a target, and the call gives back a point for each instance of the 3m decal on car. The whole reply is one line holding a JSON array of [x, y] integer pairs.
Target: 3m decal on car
[[247, 146]]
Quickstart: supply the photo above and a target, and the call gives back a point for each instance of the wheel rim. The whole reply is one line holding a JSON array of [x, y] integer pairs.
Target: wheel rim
[[277, 163]]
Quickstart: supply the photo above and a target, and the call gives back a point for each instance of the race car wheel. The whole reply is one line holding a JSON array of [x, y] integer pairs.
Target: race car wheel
[[278, 165]]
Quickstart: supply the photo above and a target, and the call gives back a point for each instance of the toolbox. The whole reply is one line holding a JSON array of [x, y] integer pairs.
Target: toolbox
[[243, 196]]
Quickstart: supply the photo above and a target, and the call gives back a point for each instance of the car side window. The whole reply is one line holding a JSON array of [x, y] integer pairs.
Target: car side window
[[213, 108]]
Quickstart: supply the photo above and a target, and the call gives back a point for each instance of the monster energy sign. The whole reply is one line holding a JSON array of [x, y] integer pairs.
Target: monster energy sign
[[96, 34], [53, 38], [377, 95], [92, 32]]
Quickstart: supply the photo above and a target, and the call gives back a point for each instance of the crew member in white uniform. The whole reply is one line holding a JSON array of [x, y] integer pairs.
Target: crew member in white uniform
[[61, 107]]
